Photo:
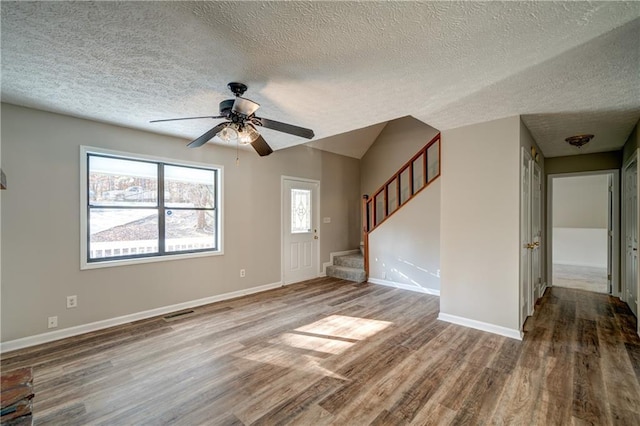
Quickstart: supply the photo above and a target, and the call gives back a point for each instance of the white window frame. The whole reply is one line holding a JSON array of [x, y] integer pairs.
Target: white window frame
[[84, 230]]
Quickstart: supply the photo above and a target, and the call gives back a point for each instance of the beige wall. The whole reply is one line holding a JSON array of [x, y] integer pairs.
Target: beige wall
[[584, 163], [632, 144], [405, 249], [396, 144], [581, 202], [480, 227], [41, 213]]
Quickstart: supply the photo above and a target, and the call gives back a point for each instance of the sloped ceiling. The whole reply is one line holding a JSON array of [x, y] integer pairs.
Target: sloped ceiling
[[334, 67]]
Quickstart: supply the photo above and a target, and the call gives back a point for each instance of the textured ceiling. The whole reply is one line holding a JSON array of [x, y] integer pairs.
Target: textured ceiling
[[332, 66], [352, 144]]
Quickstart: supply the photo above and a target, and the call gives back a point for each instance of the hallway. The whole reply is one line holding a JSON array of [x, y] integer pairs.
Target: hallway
[[592, 355], [580, 277]]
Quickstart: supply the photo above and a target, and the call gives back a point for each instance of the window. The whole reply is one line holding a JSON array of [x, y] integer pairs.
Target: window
[[300, 211], [138, 208], [433, 161]]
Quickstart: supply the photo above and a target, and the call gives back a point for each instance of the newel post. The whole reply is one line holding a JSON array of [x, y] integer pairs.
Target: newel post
[[365, 233]]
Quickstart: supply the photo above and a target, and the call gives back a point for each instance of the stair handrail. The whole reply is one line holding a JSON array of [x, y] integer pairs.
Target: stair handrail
[[365, 234], [369, 219]]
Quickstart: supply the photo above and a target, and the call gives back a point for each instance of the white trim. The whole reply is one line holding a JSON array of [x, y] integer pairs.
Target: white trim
[[417, 289], [317, 221], [524, 296], [483, 326], [335, 254], [164, 258], [84, 265], [38, 339], [623, 257], [541, 289]]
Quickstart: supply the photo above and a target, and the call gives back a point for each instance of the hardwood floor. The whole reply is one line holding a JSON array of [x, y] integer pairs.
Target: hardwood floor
[[330, 352]]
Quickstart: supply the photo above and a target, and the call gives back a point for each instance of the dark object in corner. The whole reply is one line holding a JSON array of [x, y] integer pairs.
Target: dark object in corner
[[3, 180], [17, 393]]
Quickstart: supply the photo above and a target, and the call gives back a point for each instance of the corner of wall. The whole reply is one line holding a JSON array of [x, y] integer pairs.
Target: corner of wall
[[631, 144], [480, 199]]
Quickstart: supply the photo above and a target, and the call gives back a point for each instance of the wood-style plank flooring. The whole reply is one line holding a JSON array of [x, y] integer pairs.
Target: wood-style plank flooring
[[580, 277], [328, 351]]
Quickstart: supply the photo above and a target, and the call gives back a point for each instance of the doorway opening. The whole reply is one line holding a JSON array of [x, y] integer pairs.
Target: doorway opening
[[583, 222]]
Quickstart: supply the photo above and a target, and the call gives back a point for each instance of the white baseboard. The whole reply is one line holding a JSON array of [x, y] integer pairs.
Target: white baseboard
[[334, 254], [50, 336], [479, 325], [417, 289], [541, 289]]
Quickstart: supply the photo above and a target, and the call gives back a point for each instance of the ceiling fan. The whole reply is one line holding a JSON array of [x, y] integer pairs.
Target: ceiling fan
[[241, 123]]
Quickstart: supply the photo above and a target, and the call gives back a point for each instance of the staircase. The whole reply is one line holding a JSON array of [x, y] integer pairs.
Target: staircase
[[414, 176], [349, 267]]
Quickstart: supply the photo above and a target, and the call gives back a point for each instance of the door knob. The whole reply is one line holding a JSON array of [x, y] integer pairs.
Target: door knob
[[315, 237]]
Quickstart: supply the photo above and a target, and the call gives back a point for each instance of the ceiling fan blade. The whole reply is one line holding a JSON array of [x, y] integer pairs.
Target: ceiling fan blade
[[207, 136], [283, 127], [185, 118], [244, 106], [261, 146]]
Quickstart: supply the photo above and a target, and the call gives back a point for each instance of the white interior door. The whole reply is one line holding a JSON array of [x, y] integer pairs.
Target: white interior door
[[300, 230], [536, 236], [630, 291], [610, 239], [525, 235]]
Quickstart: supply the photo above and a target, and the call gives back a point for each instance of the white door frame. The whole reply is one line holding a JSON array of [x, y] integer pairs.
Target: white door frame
[[623, 262], [316, 212], [525, 274], [615, 261], [537, 288]]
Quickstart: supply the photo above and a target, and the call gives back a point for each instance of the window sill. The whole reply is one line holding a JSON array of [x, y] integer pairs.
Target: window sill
[[126, 262]]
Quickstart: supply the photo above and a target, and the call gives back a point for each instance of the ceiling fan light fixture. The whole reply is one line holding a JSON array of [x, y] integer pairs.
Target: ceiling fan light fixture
[[229, 134], [236, 132], [578, 140], [247, 135]]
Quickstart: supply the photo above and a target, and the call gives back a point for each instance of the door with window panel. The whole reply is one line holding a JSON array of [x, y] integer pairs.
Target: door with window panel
[[300, 230]]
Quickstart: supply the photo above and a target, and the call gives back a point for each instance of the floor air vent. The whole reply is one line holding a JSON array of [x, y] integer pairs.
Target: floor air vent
[[178, 315]]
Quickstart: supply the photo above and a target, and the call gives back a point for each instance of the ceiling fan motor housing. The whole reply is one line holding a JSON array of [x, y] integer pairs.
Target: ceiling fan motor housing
[[237, 89]]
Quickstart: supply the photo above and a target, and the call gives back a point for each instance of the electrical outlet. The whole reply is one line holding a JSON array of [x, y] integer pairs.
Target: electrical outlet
[[242, 273], [52, 322], [72, 301]]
